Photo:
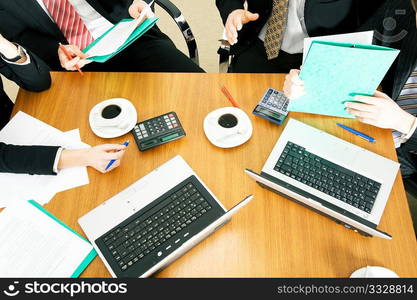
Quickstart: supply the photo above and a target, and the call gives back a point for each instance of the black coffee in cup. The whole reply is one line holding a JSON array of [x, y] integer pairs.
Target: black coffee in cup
[[228, 121], [111, 111]]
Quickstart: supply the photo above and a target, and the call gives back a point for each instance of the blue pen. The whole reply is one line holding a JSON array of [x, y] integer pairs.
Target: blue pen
[[360, 134], [113, 160]]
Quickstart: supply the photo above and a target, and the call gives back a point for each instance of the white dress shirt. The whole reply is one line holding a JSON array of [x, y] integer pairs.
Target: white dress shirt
[[295, 32], [95, 23]]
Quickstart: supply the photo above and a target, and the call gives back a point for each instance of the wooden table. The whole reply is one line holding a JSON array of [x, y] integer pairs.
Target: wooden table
[[272, 236]]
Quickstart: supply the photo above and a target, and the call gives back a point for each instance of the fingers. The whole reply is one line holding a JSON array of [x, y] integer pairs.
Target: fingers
[[114, 155], [70, 64], [361, 114], [114, 166], [137, 7], [112, 147], [367, 99], [361, 107], [75, 51], [294, 86], [381, 95], [77, 57], [294, 76], [231, 32], [248, 16]]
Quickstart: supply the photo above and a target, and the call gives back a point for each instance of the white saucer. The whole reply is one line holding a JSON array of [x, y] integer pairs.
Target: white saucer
[[216, 134], [126, 123], [374, 272]]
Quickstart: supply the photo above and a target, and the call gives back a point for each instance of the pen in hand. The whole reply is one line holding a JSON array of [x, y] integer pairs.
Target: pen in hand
[[113, 160], [69, 56]]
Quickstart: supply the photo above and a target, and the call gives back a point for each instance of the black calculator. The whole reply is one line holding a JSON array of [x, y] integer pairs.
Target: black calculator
[[273, 106], [157, 131]]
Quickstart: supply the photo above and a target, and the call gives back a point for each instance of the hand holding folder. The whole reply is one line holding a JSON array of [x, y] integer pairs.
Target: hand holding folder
[[334, 73], [120, 36]]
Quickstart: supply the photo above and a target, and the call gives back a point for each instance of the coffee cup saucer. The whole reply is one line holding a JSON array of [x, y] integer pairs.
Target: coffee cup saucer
[[120, 125], [227, 137]]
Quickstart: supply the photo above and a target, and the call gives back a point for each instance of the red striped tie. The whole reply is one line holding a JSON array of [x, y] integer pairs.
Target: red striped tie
[[70, 22]]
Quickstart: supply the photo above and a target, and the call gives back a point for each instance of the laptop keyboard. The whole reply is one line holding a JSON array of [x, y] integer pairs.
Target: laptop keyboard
[[161, 229], [336, 181]]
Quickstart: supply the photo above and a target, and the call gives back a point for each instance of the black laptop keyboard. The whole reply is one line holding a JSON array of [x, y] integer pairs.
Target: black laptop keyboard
[[336, 181], [157, 231]]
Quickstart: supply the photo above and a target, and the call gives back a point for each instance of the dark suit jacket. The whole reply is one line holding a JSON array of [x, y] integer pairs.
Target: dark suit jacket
[[26, 23], [25, 159], [402, 37], [322, 17]]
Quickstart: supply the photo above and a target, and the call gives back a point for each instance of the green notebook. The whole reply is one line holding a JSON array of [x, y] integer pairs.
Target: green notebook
[[137, 33], [334, 73]]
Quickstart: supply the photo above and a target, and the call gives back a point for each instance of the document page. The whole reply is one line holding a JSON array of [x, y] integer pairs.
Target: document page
[[32, 244], [26, 130], [364, 38]]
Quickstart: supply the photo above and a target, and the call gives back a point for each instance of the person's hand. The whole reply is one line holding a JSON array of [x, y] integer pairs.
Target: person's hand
[[137, 7], [381, 111], [235, 22], [78, 58], [8, 49], [97, 157], [293, 85]]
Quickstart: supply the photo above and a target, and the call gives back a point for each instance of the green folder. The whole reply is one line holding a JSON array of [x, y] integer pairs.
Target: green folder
[[139, 31], [88, 259], [333, 73]]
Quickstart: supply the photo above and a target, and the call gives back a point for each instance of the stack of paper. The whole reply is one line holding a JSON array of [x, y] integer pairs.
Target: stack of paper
[[26, 130], [34, 243]]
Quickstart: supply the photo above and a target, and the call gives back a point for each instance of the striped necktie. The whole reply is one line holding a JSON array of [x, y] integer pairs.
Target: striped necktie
[[69, 22], [276, 25], [407, 101], [408, 97]]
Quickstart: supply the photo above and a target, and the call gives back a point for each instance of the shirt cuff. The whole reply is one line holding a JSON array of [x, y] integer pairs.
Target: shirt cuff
[[20, 64], [57, 158], [412, 131]]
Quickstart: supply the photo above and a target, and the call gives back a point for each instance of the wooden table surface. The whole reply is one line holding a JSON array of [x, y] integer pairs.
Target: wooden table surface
[[272, 236]]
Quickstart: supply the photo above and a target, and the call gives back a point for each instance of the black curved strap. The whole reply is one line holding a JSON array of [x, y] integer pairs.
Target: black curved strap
[[176, 14], [224, 56]]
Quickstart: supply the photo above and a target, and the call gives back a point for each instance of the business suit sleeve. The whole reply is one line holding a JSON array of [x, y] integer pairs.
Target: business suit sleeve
[[32, 77], [27, 159], [225, 7]]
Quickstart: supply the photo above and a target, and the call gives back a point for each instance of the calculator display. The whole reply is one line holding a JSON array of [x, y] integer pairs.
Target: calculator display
[[268, 112], [272, 106]]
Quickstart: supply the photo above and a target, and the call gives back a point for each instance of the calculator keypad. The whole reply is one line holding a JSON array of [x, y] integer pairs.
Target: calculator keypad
[[157, 131], [275, 100], [156, 126]]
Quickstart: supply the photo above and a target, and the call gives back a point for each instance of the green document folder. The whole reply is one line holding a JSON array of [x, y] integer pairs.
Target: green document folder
[[334, 73], [139, 31], [88, 259]]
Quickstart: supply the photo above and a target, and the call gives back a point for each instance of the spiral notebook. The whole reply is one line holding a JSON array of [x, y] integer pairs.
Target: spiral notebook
[[334, 73]]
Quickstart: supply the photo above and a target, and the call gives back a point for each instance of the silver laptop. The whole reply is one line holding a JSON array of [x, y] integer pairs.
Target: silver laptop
[[155, 220], [331, 176]]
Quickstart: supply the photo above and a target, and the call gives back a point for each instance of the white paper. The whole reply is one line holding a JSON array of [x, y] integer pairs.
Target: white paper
[[33, 244], [26, 130], [115, 39], [364, 37]]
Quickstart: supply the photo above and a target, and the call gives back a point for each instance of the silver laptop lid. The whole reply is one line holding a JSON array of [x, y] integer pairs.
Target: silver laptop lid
[[318, 206], [342, 153]]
